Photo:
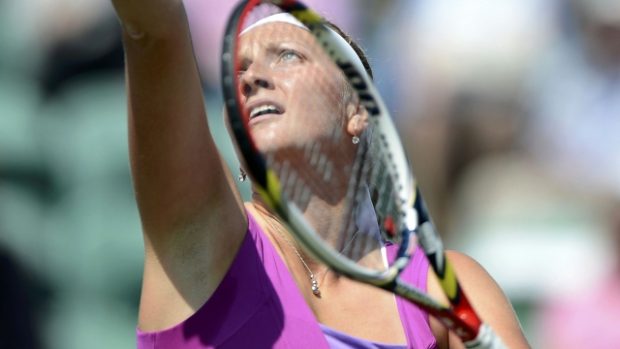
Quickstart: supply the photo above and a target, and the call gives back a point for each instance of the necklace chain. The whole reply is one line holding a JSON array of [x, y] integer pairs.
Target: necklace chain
[[313, 281]]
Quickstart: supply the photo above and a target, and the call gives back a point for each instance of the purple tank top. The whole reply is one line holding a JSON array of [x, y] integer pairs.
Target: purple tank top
[[258, 305]]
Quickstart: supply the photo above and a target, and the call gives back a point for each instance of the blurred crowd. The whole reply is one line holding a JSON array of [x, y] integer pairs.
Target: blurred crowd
[[510, 112]]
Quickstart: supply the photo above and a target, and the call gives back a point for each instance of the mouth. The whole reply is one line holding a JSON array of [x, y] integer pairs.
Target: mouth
[[260, 110]]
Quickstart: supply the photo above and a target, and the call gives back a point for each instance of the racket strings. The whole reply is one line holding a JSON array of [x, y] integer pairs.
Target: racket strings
[[357, 187], [384, 192], [354, 196], [371, 194]]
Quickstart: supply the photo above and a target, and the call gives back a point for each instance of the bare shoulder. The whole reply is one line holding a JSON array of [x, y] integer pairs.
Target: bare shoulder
[[486, 297]]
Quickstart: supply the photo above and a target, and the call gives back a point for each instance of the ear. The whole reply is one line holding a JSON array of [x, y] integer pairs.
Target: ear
[[357, 118]]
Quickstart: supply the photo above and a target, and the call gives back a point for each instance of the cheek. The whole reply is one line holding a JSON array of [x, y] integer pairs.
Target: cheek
[[317, 93]]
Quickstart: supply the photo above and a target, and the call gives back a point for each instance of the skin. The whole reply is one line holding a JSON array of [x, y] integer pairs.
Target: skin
[[283, 65], [192, 215]]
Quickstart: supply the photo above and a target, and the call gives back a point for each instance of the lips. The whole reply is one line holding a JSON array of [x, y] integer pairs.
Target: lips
[[264, 109], [258, 109]]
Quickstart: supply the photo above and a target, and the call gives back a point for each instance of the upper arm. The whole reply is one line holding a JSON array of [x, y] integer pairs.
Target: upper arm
[[487, 298]]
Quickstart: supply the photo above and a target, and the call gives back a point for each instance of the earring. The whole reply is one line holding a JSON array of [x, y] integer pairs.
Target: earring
[[242, 175], [355, 139]]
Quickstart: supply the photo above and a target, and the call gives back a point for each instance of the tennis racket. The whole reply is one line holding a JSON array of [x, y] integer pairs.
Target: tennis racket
[[319, 145]]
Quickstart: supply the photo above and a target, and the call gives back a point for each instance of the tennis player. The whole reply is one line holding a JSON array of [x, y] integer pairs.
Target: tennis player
[[223, 274]]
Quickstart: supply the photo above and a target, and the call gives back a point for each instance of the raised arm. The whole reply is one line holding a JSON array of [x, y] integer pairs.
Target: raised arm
[[191, 213]]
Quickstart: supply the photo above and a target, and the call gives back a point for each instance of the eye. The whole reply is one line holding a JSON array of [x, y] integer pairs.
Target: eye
[[288, 55]]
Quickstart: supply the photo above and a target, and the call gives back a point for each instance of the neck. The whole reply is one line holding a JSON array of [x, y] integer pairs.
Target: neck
[[353, 233], [328, 220], [279, 231]]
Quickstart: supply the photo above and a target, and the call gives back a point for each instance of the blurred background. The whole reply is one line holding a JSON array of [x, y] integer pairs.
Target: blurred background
[[510, 111]]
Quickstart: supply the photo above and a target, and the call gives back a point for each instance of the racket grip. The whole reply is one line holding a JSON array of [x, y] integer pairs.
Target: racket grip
[[487, 339]]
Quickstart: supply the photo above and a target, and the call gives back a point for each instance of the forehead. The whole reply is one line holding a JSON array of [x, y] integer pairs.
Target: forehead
[[275, 33]]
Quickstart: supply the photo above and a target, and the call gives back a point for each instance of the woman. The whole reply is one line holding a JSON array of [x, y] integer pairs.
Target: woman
[[218, 274]]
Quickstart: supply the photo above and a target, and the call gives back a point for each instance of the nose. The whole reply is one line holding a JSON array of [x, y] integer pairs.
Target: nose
[[255, 77]]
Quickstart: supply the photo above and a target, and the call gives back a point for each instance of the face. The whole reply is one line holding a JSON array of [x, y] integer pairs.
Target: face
[[294, 93]]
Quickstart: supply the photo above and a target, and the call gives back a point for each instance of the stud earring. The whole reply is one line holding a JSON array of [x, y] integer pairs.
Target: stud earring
[[242, 175], [355, 139]]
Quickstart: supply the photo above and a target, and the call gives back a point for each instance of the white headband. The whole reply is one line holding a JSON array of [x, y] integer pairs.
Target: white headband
[[285, 17], [278, 17]]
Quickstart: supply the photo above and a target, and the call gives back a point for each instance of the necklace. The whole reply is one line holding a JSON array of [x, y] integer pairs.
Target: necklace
[[279, 230], [313, 281]]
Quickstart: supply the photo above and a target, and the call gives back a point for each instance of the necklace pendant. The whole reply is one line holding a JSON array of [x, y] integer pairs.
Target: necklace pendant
[[315, 286]]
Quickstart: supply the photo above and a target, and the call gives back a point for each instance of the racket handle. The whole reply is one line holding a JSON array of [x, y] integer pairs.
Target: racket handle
[[487, 339]]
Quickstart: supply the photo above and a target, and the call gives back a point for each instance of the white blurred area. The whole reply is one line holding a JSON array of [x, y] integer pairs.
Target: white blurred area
[[477, 42], [509, 109]]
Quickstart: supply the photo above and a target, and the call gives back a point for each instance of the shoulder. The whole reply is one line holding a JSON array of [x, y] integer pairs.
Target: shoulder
[[470, 271], [484, 292], [487, 298]]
